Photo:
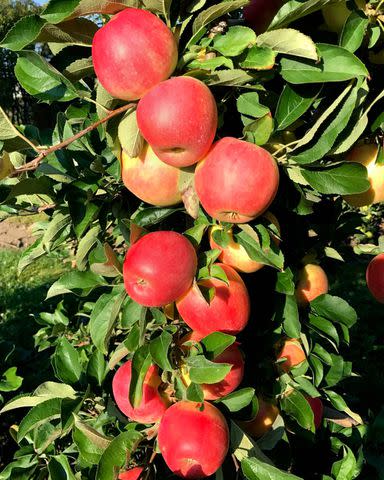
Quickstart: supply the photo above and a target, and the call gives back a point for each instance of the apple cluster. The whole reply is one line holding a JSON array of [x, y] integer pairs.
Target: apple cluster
[[235, 182]]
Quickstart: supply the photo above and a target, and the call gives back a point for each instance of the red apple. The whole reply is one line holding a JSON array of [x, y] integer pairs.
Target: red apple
[[262, 422], [131, 474], [236, 181], [293, 353], [317, 409], [227, 312], [231, 355], [153, 404], [313, 281], [178, 118], [150, 179], [375, 277], [259, 14], [159, 268], [132, 53], [193, 442]]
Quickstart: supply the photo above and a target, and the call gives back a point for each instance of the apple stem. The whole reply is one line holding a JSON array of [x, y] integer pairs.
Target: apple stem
[[33, 164]]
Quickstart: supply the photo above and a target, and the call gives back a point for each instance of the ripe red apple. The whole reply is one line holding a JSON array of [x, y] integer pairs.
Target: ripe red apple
[[132, 53], [159, 268], [178, 118], [313, 281], [150, 179], [293, 353], [235, 254], [131, 474], [153, 404], [317, 409], [258, 14], [236, 181], [263, 421], [375, 277], [193, 442], [227, 312], [231, 355]]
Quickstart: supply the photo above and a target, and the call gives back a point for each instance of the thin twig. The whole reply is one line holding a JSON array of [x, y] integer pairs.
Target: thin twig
[[33, 164]]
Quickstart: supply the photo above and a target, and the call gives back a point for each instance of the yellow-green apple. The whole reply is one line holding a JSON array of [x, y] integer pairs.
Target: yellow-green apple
[[317, 408], [159, 268], [336, 15], [236, 181], [227, 312], [178, 118], [153, 403], [263, 421], [292, 353], [131, 474], [258, 14], [235, 254], [193, 440], [150, 179], [231, 355], [366, 155], [375, 277], [312, 282], [132, 53]]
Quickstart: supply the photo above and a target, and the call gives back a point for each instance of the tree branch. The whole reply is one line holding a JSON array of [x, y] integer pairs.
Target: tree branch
[[33, 164]]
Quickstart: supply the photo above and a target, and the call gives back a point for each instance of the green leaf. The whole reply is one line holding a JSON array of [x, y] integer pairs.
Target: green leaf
[[337, 65], [116, 454], [216, 342], [202, 370], [287, 313], [354, 31], [85, 245], [248, 104], [6, 166], [10, 381], [11, 136], [341, 179], [103, 317], [79, 283], [255, 469], [285, 283], [42, 80], [90, 442], [260, 130], [288, 42], [293, 103], [324, 326], [59, 469], [129, 134], [97, 367], [66, 362], [296, 406], [195, 393], [79, 69], [243, 446], [345, 469], [59, 223], [153, 215], [259, 58], [234, 41], [238, 400], [334, 308], [43, 412], [131, 313], [159, 348], [336, 372], [229, 78], [141, 361], [23, 32]]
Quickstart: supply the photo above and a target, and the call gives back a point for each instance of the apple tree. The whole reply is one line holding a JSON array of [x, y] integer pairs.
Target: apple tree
[[196, 334]]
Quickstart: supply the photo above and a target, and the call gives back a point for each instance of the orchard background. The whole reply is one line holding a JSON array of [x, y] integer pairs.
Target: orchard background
[[305, 84]]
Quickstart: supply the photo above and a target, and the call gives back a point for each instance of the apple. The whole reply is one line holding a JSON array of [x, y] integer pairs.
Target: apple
[[150, 179], [178, 118], [193, 439], [336, 15], [235, 254], [293, 354], [132, 53], [159, 268], [153, 403], [313, 281], [263, 421], [231, 355], [366, 155], [317, 408], [258, 14], [227, 312], [236, 181], [131, 474], [375, 277]]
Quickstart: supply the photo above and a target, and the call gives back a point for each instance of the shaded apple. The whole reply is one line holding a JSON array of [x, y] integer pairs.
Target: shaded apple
[[258, 14], [292, 353], [132, 53], [263, 421], [317, 409], [313, 281], [159, 268], [193, 440], [375, 277], [131, 474], [237, 180], [178, 118]]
